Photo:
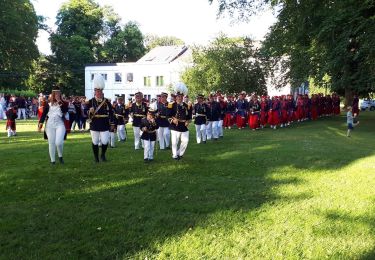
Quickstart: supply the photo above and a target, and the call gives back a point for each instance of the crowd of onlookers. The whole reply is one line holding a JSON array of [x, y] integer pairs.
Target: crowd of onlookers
[[27, 107], [32, 107]]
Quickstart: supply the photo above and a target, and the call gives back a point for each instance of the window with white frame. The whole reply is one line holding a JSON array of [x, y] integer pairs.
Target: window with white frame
[[104, 75], [118, 77]]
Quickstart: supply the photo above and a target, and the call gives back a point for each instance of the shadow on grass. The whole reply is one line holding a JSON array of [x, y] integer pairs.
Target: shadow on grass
[[341, 224], [124, 207]]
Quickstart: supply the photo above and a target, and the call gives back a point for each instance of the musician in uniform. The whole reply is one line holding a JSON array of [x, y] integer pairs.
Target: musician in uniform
[[254, 114], [101, 119], [229, 112], [138, 111], [241, 108], [200, 114], [164, 133], [180, 117], [122, 118], [213, 118], [264, 108], [223, 107], [149, 129]]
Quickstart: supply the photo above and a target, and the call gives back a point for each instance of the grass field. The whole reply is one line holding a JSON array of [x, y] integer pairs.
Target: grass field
[[307, 192]]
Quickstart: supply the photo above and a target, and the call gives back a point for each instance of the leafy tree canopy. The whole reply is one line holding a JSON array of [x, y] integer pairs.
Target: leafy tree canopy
[[152, 41], [18, 32], [315, 38], [227, 64]]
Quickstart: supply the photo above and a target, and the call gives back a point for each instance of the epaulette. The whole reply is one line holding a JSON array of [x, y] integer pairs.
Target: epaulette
[[170, 104]]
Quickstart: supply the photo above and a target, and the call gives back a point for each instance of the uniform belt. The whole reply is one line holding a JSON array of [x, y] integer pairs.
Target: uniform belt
[[119, 115], [200, 115], [139, 115], [101, 116], [150, 132], [162, 116], [182, 121]]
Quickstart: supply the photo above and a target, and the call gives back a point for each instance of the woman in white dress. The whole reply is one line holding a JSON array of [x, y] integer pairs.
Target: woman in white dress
[[54, 114]]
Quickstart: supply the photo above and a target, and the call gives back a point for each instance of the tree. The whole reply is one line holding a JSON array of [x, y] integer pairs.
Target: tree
[[45, 75], [152, 41], [228, 64], [316, 38], [79, 23], [18, 32], [123, 45]]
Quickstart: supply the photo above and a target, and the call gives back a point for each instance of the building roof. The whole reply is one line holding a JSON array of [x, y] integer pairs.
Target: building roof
[[163, 54]]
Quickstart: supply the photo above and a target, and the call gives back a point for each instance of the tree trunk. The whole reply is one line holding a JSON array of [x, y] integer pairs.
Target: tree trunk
[[348, 97]]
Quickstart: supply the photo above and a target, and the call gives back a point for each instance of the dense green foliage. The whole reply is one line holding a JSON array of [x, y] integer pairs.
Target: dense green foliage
[[301, 193], [227, 64], [314, 38], [124, 45], [18, 33], [152, 41], [86, 33], [78, 25]]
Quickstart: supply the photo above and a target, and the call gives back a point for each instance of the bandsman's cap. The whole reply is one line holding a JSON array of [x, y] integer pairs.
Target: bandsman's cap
[[99, 82]]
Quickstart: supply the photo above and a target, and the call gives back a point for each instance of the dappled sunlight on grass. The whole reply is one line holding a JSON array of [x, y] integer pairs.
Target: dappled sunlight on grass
[[300, 193], [105, 186]]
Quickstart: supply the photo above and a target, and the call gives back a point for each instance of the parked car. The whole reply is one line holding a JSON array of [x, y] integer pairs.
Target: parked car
[[368, 104]]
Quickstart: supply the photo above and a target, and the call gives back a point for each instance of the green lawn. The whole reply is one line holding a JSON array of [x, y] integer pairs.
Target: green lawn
[[307, 192]]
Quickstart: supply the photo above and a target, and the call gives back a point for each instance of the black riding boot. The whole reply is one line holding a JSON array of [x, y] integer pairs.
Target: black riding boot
[[95, 149], [104, 149]]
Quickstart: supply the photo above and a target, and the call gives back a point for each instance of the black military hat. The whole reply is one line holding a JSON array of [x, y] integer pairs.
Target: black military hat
[[139, 93], [164, 94], [200, 96]]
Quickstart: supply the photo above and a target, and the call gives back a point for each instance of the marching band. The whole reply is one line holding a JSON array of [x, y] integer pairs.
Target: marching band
[[168, 122]]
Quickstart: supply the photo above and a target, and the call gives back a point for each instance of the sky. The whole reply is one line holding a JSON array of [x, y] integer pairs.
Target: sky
[[193, 21]]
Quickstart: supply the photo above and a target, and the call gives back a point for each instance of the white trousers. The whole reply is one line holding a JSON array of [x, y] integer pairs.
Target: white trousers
[[137, 137], [55, 133], [220, 128], [211, 130], [11, 132], [121, 134], [176, 137], [21, 111], [164, 135], [200, 133], [99, 137], [148, 152], [112, 139]]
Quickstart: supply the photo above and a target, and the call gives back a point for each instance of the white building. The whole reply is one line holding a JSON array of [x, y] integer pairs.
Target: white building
[[154, 73]]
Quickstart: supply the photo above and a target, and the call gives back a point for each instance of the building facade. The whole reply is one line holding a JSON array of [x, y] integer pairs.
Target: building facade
[[154, 73]]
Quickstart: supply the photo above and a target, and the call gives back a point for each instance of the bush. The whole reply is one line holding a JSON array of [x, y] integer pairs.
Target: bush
[[16, 92]]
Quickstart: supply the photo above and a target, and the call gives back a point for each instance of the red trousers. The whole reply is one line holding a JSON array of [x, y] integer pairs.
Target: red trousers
[[314, 113], [263, 118], [228, 120], [240, 121], [254, 121], [273, 118]]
